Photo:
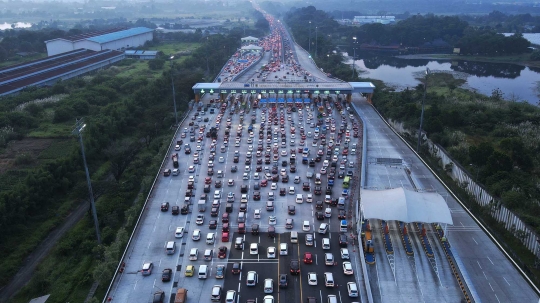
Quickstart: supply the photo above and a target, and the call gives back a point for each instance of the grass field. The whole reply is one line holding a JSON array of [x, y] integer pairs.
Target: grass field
[[169, 49]]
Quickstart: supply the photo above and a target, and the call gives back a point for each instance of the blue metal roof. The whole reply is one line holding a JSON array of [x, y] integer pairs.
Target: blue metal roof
[[120, 35]]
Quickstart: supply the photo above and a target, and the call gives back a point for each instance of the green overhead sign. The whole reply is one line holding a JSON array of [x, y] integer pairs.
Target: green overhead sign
[[223, 91], [289, 92], [263, 91], [316, 92], [244, 91], [202, 91], [253, 91], [327, 92]]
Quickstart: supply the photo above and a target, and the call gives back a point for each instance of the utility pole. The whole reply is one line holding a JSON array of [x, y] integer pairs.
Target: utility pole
[[79, 127], [354, 56], [173, 93], [422, 114]]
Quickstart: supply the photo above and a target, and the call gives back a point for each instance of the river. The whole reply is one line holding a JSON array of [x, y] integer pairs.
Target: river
[[518, 83]]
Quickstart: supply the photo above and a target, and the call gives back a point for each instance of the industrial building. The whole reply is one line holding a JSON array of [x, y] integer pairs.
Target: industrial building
[[374, 19], [114, 39], [47, 71], [141, 54]]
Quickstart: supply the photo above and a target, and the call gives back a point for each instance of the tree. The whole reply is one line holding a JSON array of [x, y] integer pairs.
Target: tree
[[120, 154]]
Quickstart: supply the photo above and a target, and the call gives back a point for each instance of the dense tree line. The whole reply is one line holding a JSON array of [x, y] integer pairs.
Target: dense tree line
[[505, 23], [324, 32], [124, 117]]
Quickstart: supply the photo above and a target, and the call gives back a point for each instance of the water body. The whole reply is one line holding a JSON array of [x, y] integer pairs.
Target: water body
[[5, 25], [517, 82]]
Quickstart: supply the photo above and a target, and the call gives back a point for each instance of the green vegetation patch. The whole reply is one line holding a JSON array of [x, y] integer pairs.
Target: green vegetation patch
[[58, 149], [175, 48]]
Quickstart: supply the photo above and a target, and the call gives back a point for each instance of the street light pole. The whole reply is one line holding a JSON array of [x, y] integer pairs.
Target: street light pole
[[174, 94], [354, 56], [316, 38], [309, 37], [79, 127], [422, 114]]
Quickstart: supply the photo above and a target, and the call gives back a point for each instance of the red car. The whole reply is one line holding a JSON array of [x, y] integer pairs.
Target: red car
[[264, 183], [222, 254], [308, 258], [207, 180]]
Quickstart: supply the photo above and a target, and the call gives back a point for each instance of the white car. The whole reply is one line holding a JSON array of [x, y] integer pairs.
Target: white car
[[344, 254], [271, 252], [272, 220], [245, 176], [221, 160], [323, 171], [328, 212], [347, 268], [217, 194], [200, 220], [199, 148], [230, 182], [179, 233], [306, 226], [284, 153], [268, 299], [273, 186], [257, 214], [177, 147], [254, 249], [191, 169], [312, 278], [194, 254], [309, 198]]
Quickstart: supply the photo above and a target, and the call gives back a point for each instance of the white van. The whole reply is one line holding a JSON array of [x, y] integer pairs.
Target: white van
[[283, 251], [268, 286], [325, 243], [352, 289], [328, 279], [299, 198], [294, 237], [171, 247], [203, 271]]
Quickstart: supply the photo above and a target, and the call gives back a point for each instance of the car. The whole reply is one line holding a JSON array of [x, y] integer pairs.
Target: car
[[282, 191], [291, 209], [166, 275], [191, 169], [200, 219], [344, 254], [289, 223], [194, 254], [220, 271], [264, 183], [294, 267], [179, 233], [272, 220], [230, 182], [208, 180], [236, 268], [234, 169], [343, 240], [297, 180], [309, 198], [347, 268], [268, 299], [257, 196], [308, 258], [230, 297], [306, 226], [217, 194], [283, 280], [257, 214], [165, 206], [222, 252], [312, 279], [271, 252], [190, 270], [318, 190], [212, 224], [147, 268], [273, 186]]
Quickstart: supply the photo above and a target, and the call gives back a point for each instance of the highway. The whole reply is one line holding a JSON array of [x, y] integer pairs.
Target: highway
[[393, 278]]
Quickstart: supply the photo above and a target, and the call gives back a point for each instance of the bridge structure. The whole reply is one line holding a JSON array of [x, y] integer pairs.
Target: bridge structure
[[284, 92]]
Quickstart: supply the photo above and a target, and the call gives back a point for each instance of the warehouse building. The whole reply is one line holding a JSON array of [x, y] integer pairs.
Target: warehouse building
[[114, 39]]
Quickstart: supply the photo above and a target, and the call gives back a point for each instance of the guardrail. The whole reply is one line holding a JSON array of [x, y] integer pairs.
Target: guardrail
[[136, 228]]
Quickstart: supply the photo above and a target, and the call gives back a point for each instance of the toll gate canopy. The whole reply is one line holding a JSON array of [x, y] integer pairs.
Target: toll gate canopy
[[405, 205], [282, 87]]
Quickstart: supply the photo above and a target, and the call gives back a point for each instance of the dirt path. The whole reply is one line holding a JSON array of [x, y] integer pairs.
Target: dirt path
[[28, 267]]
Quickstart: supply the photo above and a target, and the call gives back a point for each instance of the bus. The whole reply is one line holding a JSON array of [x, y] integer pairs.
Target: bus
[[346, 182]]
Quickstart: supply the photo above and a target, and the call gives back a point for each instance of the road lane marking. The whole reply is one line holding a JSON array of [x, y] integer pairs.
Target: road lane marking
[[490, 261], [506, 281], [476, 242], [479, 264]]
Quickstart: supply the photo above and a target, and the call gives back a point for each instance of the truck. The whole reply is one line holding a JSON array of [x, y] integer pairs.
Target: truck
[[175, 160], [202, 205]]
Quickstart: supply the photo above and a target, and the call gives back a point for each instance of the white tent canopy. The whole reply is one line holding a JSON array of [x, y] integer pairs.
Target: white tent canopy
[[251, 47], [405, 205]]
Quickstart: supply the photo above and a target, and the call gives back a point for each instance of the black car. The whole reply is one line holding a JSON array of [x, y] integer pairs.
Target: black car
[[257, 186], [236, 159], [234, 169], [184, 210], [292, 209], [306, 187], [341, 175], [312, 163], [236, 269], [258, 168], [285, 179], [166, 275], [293, 168], [282, 191], [175, 210], [212, 224], [318, 190], [328, 190], [342, 240], [159, 296], [342, 215], [319, 205], [319, 215], [295, 267], [284, 163], [283, 280], [350, 173], [248, 161], [244, 189], [257, 196]]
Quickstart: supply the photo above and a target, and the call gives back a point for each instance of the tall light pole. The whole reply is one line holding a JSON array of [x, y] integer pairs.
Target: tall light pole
[[422, 114], [309, 37], [354, 56], [79, 127], [173, 93], [316, 38]]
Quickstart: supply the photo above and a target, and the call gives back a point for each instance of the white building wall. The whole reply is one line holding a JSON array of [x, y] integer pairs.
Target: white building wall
[[128, 42], [56, 47], [88, 45]]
